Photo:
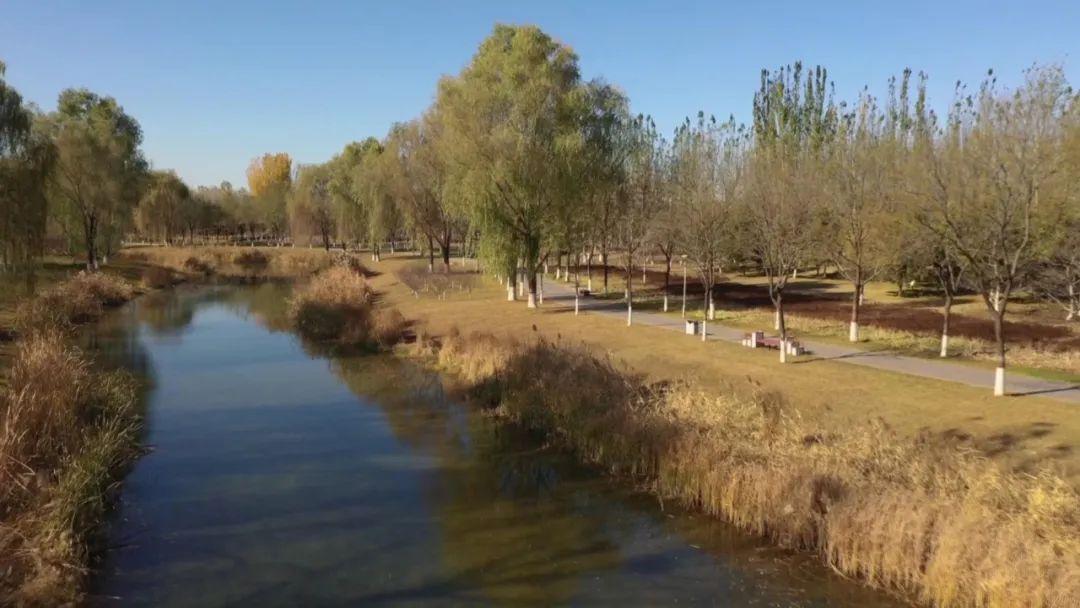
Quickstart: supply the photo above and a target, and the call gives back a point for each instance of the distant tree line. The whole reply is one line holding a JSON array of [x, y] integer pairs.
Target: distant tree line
[[523, 164]]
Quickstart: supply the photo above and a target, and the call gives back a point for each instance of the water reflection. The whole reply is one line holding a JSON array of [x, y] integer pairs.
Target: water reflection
[[282, 477]]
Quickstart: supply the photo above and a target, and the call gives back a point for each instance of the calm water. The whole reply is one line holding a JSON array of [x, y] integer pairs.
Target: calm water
[[282, 477]]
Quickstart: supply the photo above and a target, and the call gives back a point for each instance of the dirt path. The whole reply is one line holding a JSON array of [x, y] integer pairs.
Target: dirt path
[[1016, 384]]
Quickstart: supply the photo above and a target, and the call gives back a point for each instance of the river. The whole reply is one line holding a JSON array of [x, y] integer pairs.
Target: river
[[280, 476]]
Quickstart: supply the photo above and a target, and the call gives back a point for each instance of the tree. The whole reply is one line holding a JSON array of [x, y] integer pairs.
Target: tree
[[350, 214], [861, 184], [98, 171], [269, 179], [421, 182], [26, 162], [513, 119], [793, 122], [642, 191], [709, 169], [310, 205], [163, 206], [998, 191]]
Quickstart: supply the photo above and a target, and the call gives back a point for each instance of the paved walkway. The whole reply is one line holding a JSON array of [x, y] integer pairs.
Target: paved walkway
[[1016, 384]]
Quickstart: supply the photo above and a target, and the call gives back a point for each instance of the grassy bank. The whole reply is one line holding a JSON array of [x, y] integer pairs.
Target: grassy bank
[[67, 432], [921, 515]]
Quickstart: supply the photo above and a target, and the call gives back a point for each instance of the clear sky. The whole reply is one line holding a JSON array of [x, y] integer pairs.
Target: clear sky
[[216, 83]]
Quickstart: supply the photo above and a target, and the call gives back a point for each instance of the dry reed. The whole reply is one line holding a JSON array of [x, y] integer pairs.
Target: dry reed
[[930, 518]]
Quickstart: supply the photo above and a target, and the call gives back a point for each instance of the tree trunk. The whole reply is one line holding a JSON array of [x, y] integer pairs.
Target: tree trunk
[[782, 327], [684, 289], [531, 277], [667, 280], [431, 254], [446, 257], [588, 268], [946, 313], [90, 235], [603, 260], [629, 291], [999, 336], [856, 302]]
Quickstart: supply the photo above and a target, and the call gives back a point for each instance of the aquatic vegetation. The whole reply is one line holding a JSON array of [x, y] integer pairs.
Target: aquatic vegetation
[[925, 516]]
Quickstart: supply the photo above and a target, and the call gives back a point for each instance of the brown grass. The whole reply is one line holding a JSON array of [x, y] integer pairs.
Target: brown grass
[[921, 515], [77, 300], [66, 434]]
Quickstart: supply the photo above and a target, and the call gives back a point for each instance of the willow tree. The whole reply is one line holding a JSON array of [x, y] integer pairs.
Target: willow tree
[[999, 188], [794, 120], [310, 205], [349, 214], [99, 170], [26, 159], [513, 123], [163, 206], [422, 183]]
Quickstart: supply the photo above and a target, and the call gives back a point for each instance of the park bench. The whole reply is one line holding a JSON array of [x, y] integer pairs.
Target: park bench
[[758, 339]]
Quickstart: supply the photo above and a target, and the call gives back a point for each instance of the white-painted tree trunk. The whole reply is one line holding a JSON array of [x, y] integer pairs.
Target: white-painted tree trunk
[[783, 353], [558, 271], [665, 303], [853, 331], [944, 345], [510, 290], [704, 330], [521, 286], [541, 288], [776, 320], [712, 310], [629, 313], [590, 285], [999, 382], [532, 300], [575, 304]]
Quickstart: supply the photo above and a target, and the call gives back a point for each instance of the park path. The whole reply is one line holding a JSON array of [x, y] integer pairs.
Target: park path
[[1016, 384]]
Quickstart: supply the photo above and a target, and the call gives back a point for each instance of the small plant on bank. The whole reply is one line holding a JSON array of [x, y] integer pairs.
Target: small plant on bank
[[77, 300]]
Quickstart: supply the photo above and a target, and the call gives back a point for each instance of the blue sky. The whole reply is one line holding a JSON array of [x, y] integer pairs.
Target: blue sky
[[215, 84]]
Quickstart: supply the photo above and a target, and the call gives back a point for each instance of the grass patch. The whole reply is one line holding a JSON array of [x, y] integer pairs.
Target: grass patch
[[923, 515]]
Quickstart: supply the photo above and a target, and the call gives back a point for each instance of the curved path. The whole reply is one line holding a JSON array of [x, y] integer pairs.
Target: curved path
[[1016, 384]]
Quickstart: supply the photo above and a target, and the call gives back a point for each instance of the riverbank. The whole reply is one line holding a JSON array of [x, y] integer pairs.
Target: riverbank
[[874, 474], [919, 516]]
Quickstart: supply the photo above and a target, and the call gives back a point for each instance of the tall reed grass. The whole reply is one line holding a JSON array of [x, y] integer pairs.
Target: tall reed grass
[[339, 306], [238, 262], [927, 517], [67, 432], [79, 299]]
